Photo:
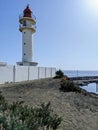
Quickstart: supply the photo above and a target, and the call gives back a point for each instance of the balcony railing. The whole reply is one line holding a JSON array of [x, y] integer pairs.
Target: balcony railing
[[24, 26], [22, 16]]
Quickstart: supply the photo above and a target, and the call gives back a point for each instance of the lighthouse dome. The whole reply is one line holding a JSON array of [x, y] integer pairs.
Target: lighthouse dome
[[27, 12]]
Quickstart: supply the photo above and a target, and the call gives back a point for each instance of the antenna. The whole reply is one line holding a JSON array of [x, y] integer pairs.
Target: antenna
[[27, 5]]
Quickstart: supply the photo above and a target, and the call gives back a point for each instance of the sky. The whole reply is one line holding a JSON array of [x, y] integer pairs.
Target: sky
[[66, 36]]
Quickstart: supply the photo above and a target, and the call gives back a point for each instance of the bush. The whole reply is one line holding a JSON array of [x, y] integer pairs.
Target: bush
[[70, 86], [17, 116], [59, 74]]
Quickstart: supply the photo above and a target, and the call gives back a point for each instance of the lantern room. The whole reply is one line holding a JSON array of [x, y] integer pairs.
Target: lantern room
[[27, 12]]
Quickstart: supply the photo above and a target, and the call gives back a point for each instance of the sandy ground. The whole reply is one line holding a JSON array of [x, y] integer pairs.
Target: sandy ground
[[79, 112]]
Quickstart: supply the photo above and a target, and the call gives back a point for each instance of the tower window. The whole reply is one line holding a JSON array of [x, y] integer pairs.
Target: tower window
[[24, 23], [24, 53], [24, 43], [24, 32]]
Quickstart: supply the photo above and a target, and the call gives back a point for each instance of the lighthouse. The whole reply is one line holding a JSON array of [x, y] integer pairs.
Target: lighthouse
[[27, 27]]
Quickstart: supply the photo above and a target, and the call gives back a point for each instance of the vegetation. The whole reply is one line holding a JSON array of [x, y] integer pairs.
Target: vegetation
[[59, 74], [70, 86], [17, 116]]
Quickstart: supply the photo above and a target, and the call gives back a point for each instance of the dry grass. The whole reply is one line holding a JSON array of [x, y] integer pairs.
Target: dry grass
[[79, 112]]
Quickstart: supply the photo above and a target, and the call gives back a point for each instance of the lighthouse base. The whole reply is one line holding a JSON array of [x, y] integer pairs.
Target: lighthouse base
[[27, 63]]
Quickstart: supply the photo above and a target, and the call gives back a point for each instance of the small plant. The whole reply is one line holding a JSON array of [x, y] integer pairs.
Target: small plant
[[16, 116]]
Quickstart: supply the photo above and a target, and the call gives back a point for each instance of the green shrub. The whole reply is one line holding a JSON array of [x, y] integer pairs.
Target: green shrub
[[17, 116]]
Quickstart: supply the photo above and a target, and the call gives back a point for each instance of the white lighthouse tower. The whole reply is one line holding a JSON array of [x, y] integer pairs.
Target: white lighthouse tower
[[27, 27]]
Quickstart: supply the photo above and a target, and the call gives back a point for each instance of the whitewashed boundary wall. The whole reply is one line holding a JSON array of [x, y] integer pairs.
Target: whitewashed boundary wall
[[6, 74], [21, 73], [53, 70], [41, 72], [24, 73], [33, 73], [48, 72]]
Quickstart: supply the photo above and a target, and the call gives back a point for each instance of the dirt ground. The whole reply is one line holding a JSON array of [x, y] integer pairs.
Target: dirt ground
[[79, 112]]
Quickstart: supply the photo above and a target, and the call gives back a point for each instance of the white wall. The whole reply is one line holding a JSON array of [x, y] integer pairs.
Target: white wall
[[33, 73], [48, 72], [24, 73], [53, 72], [41, 72], [21, 73], [6, 74]]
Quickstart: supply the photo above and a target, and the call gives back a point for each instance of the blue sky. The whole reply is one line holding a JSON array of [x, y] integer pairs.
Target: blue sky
[[66, 36]]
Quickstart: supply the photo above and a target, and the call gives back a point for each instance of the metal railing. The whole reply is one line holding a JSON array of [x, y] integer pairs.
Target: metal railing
[[22, 16], [23, 26]]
